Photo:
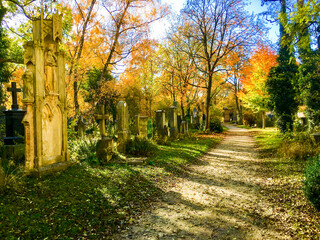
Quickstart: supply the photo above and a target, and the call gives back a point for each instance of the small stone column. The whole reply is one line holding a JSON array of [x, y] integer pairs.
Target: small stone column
[[123, 125], [160, 123], [143, 127], [173, 121]]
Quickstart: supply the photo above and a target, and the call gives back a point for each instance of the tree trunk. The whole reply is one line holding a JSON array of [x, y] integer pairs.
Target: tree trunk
[[182, 110], [208, 100], [75, 97], [263, 114]]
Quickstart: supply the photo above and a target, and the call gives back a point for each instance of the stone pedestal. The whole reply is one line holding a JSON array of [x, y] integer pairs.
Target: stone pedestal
[[14, 127], [104, 149]]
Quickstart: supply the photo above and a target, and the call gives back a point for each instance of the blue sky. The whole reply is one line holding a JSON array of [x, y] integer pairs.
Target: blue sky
[[254, 6]]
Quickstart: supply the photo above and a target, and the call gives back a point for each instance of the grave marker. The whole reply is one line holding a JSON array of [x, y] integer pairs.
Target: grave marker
[[123, 125], [45, 98]]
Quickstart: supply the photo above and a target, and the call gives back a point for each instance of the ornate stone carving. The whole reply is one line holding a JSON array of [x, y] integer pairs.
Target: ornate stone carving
[[57, 28], [50, 68], [27, 78], [29, 53]]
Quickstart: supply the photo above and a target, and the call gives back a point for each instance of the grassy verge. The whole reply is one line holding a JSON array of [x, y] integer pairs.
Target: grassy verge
[[91, 202], [284, 188]]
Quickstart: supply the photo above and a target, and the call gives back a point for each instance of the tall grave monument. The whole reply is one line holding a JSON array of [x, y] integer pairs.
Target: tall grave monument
[[45, 100]]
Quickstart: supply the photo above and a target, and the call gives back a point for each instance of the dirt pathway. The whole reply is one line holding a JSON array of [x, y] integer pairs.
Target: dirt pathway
[[220, 200]]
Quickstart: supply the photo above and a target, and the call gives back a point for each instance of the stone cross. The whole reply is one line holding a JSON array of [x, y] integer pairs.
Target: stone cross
[[102, 117], [13, 89]]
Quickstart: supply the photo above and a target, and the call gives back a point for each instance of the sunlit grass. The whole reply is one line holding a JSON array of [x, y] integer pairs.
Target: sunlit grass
[[90, 202]]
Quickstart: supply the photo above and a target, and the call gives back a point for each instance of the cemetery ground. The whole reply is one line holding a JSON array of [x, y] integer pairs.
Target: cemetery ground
[[238, 190]]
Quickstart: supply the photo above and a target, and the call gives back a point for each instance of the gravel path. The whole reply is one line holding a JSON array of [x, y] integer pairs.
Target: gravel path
[[219, 200]]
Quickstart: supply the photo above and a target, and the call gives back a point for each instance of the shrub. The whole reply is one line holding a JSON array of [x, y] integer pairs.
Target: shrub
[[84, 150], [297, 146], [249, 119], [216, 125], [140, 147], [312, 182]]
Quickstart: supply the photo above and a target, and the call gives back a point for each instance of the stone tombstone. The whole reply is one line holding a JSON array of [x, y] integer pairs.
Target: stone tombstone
[[173, 121], [123, 125], [149, 128], [45, 98], [14, 127], [161, 123], [104, 149], [81, 127], [143, 127]]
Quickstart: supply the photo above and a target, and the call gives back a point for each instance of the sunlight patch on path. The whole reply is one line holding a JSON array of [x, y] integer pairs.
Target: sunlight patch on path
[[220, 200]]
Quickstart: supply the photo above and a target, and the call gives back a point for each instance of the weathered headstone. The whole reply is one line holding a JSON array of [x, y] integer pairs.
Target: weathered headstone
[[149, 128], [173, 121], [123, 125], [136, 122], [143, 127], [45, 98], [160, 123], [81, 127]]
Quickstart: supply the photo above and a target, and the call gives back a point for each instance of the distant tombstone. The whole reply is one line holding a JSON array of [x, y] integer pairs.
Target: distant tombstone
[[102, 117], [104, 150], [123, 125], [14, 127], [45, 98], [173, 122], [143, 127], [149, 128], [81, 127], [160, 123]]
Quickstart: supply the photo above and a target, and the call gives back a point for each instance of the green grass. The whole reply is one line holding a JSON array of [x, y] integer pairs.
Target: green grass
[[285, 187], [268, 139], [91, 202]]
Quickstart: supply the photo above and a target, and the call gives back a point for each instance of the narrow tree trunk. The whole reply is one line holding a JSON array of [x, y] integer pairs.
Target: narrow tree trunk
[[182, 110], [263, 114], [75, 97], [208, 100]]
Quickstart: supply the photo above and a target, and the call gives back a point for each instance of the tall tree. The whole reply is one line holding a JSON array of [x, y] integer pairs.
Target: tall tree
[[254, 76], [4, 69], [281, 80], [82, 17], [218, 27], [304, 28]]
